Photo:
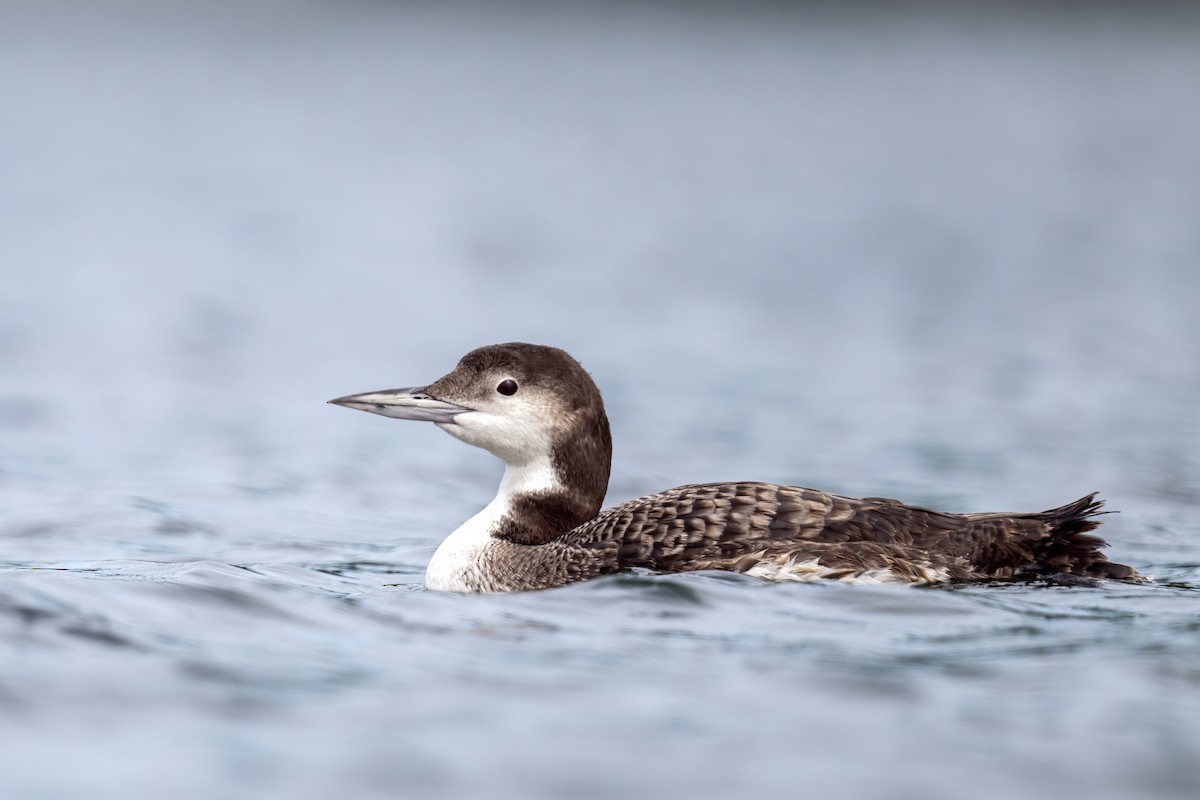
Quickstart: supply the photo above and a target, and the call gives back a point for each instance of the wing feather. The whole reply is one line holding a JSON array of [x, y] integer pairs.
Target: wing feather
[[740, 526]]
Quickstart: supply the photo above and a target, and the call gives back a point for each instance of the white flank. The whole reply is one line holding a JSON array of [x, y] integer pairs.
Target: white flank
[[812, 571]]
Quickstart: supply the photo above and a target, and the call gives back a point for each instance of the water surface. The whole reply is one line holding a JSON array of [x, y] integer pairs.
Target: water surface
[[950, 257]]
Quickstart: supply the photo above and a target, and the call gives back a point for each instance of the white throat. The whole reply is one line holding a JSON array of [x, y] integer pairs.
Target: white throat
[[456, 564]]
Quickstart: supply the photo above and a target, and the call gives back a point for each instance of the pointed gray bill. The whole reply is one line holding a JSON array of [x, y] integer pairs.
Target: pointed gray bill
[[410, 403]]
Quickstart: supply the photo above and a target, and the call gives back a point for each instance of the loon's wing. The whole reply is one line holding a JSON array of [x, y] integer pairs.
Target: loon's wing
[[797, 533]]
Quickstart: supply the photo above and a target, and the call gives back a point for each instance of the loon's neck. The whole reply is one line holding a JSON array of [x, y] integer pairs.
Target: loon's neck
[[526, 509], [539, 499], [534, 506]]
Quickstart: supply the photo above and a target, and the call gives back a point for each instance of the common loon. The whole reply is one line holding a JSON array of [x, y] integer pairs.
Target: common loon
[[538, 410]]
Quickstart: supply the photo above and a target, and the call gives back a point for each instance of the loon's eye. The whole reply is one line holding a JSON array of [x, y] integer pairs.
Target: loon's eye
[[508, 387]]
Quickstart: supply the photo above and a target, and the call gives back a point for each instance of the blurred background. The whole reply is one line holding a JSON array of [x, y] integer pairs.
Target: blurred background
[[948, 252]]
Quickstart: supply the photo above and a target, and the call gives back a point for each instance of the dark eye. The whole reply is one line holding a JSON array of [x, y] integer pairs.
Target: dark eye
[[508, 387]]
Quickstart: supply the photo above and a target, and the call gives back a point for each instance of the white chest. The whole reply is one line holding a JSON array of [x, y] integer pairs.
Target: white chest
[[458, 563], [461, 562]]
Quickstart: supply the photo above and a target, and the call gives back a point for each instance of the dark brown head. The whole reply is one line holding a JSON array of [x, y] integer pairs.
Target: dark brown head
[[530, 405]]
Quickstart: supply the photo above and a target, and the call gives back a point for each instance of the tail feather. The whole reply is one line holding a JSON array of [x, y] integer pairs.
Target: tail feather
[[1070, 549]]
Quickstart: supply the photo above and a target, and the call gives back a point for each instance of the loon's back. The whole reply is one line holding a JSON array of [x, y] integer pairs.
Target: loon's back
[[793, 533]]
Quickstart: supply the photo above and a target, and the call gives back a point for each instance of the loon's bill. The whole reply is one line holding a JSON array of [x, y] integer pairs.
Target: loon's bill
[[537, 409], [403, 404]]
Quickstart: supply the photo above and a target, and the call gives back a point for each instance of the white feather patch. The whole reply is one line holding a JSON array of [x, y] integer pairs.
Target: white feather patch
[[458, 563], [812, 570]]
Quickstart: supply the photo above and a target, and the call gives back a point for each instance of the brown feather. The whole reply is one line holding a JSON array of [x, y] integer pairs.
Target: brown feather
[[735, 526]]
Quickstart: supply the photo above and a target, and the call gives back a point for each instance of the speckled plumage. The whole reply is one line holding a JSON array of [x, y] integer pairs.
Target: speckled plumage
[[806, 534], [544, 530]]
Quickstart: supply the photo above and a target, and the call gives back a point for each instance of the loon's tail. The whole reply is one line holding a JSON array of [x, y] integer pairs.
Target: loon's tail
[[1069, 548]]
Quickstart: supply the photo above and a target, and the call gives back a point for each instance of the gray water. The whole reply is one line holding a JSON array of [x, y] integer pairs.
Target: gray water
[[951, 256]]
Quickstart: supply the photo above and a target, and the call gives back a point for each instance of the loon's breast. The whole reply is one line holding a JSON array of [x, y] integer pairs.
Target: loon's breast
[[460, 563]]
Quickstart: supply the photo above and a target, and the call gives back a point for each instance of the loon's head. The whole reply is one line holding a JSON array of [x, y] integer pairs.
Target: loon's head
[[524, 403]]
